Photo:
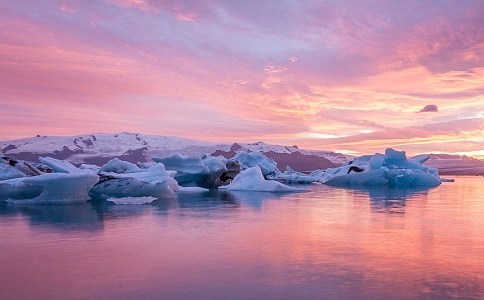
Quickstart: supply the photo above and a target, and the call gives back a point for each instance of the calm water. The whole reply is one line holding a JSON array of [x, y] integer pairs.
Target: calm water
[[325, 244]]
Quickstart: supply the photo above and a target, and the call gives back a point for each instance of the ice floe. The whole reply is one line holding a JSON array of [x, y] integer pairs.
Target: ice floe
[[252, 179], [389, 169]]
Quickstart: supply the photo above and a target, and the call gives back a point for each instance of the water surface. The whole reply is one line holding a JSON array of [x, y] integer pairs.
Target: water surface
[[328, 243]]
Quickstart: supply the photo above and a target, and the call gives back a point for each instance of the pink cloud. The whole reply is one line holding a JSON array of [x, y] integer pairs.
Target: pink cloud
[[241, 70]]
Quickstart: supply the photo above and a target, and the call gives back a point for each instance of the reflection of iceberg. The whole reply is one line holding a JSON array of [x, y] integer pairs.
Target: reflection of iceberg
[[391, 169], [389, 199], [251, 198], [81, 216], [131, 200]]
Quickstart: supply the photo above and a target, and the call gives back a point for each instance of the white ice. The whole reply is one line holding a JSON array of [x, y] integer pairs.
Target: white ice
[[389, 169], [252, 179]]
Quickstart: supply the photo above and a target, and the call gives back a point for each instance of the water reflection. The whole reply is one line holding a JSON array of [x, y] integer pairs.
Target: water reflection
[[254, 199], [81, 216], [325, 244], [391, 200]]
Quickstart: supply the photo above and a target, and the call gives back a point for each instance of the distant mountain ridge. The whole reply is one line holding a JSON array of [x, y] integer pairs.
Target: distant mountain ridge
[[99, 148]]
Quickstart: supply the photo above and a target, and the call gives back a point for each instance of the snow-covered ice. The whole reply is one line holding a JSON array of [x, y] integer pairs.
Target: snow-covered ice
[[389, 169], [252, 179]]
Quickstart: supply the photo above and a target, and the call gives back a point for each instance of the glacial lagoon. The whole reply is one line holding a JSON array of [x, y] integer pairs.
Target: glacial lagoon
[[328, 243]]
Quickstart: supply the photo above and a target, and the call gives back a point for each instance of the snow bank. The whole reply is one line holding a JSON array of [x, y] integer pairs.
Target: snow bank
[[391, 169], [252, 180]]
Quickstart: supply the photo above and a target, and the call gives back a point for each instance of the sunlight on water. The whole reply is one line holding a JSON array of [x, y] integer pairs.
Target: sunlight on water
[[326, 244]]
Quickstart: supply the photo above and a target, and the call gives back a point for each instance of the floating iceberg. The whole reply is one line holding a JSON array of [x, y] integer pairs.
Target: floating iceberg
[[118, 166], [49, 188], [293, 176], [252, 180], [203, 171], [389, 169], [155, 182], [253, 159], [23, 182]]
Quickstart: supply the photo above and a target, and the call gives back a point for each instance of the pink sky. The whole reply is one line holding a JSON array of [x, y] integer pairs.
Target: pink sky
[[349, 76]]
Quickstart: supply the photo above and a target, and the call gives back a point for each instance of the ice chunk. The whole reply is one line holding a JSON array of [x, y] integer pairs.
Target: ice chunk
[[252, 159], [252, 180], [293, 176], [118, 166], [391, 169], [9, 172], [59, 166], [132, 200], [49, 188], [190, 170], [155, 182], [202, 171], [183, 164]]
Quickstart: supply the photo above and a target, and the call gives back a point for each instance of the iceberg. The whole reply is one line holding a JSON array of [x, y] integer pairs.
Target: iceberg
[[118, 166], [203, 171], [253, 159], [23, 182], [48, 188], [390, 169], [59, 166], [155, 182], [293, 176], [252, 179]]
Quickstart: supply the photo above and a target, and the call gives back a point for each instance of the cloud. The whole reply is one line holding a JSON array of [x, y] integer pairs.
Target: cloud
[[429, 108]]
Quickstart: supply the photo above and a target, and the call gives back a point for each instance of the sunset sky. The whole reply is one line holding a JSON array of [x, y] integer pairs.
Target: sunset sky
[[342, 75]]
